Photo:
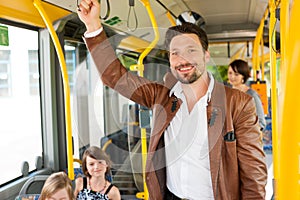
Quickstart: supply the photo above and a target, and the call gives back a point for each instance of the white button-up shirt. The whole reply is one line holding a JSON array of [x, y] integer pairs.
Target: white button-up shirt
[[187, 151]]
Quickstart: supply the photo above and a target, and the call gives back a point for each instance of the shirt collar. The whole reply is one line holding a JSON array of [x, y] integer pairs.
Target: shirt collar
[[177, 89]]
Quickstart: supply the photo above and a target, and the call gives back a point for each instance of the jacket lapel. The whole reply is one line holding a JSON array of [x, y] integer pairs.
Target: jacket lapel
[[216, 117], [163, 117]]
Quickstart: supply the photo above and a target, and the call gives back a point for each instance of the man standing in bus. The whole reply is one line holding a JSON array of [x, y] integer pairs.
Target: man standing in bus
[[205, 141]]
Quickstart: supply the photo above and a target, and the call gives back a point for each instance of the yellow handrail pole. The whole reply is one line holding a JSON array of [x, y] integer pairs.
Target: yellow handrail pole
[[262, 58], [140, 68], [156, 32], [289, 177], [284, 30], [77, 160], [244, 52], [39, 7], [273, 68], [255, 58], [106, 144], [238, 53], [170, 18]]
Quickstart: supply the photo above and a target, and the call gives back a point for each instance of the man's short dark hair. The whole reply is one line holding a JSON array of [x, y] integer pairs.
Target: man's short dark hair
[[186, 28]]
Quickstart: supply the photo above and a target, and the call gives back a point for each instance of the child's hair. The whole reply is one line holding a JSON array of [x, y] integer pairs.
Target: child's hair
[[56, 182], [98, 154]]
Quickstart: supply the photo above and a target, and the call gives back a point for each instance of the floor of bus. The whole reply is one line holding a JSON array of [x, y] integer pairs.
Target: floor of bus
[[269, 187]]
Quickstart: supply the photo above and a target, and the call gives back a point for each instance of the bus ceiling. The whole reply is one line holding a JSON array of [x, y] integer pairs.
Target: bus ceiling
[[222, 23], [23, 11]]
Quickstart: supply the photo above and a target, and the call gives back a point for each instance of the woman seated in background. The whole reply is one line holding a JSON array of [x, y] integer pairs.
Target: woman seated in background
[[95, 166], [57, 186], [238, 74]]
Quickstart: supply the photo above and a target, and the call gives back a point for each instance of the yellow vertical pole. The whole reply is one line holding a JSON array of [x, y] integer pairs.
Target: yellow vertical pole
[[156, 33], [140, 68], [255, 56], [284, 30], [61, 58], [262, 58], [273, 69], [289, 174]]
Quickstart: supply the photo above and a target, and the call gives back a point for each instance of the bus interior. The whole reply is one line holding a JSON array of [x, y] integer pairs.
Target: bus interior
[[54, 105]]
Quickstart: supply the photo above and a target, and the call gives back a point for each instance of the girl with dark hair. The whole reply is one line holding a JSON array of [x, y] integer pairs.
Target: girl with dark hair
[[95, 166]]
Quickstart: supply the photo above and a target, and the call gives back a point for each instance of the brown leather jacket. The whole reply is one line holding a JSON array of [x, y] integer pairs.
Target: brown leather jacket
[[238, 168]]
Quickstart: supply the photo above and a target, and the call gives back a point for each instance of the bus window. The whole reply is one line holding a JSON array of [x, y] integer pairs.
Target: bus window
[[20, 112]]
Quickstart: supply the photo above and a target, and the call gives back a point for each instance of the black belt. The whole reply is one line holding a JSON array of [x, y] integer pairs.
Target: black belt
[[170, 196]]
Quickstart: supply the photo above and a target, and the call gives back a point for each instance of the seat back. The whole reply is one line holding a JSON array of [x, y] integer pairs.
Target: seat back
[[33, 185]]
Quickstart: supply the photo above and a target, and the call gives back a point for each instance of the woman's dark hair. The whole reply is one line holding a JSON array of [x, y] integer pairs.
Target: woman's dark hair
[[98, 154], [186, 28], [241, 67]]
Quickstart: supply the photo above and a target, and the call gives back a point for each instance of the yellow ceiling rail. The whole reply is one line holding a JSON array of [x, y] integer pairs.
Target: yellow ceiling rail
[[39, 7], [289, 177]]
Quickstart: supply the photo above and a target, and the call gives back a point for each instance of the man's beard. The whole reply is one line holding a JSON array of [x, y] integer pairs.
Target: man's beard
[[188, 79]]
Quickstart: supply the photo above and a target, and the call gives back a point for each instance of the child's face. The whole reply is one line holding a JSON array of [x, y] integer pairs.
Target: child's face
[[61, 194], [96, 167]]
